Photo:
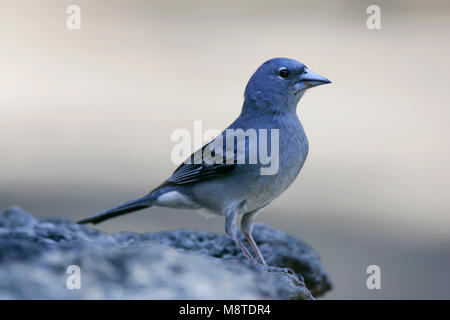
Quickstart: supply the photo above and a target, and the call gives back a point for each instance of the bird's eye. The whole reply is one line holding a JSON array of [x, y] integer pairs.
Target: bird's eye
[[283, 72]]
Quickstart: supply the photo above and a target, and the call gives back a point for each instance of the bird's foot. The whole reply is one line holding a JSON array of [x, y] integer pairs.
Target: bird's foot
[[281, 270], [277, 269]]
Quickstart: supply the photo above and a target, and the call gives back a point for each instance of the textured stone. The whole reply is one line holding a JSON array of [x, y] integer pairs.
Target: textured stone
[[182, 264]]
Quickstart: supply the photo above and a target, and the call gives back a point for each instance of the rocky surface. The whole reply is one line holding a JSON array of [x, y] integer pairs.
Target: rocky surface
[[184, 264]]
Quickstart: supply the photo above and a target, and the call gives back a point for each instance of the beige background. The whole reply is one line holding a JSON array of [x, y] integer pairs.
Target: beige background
[[86, 118]]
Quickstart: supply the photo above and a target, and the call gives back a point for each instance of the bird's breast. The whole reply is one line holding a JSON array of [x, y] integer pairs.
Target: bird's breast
[[292, 152]]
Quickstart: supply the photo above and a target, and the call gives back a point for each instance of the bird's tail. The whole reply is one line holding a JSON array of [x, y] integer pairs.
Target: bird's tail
[[127, 207]]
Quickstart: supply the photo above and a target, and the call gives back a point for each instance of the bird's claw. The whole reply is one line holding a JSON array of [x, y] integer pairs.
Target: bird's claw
[[281, 270], [278, 269]]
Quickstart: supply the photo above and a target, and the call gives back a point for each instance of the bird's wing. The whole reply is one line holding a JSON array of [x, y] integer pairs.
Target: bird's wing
[[212, 160]]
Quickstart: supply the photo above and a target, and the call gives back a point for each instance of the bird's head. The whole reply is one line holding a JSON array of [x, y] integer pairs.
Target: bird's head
[[279, 83]]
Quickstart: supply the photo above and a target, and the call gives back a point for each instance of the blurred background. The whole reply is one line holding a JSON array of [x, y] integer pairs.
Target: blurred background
[[86, 118]]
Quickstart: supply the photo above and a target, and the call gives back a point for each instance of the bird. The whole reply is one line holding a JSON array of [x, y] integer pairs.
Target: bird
[[236, 187]]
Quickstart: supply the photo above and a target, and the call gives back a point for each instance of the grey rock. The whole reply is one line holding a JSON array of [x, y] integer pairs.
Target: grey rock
[[183, 264]]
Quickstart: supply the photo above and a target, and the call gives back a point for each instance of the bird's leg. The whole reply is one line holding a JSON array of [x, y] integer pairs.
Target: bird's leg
[[231, 230], [256, 249], [247, 227]]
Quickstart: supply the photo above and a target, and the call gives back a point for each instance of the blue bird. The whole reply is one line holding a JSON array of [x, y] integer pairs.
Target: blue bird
[[231, 181]]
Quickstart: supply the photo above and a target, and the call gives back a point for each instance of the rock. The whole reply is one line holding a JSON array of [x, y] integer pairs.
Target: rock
[[185, 264]]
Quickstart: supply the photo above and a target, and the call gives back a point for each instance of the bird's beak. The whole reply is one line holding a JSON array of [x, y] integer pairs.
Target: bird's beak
[[309, 79]]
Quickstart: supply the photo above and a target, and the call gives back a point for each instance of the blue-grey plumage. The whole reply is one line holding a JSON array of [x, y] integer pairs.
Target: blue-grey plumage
[[235, 189]]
